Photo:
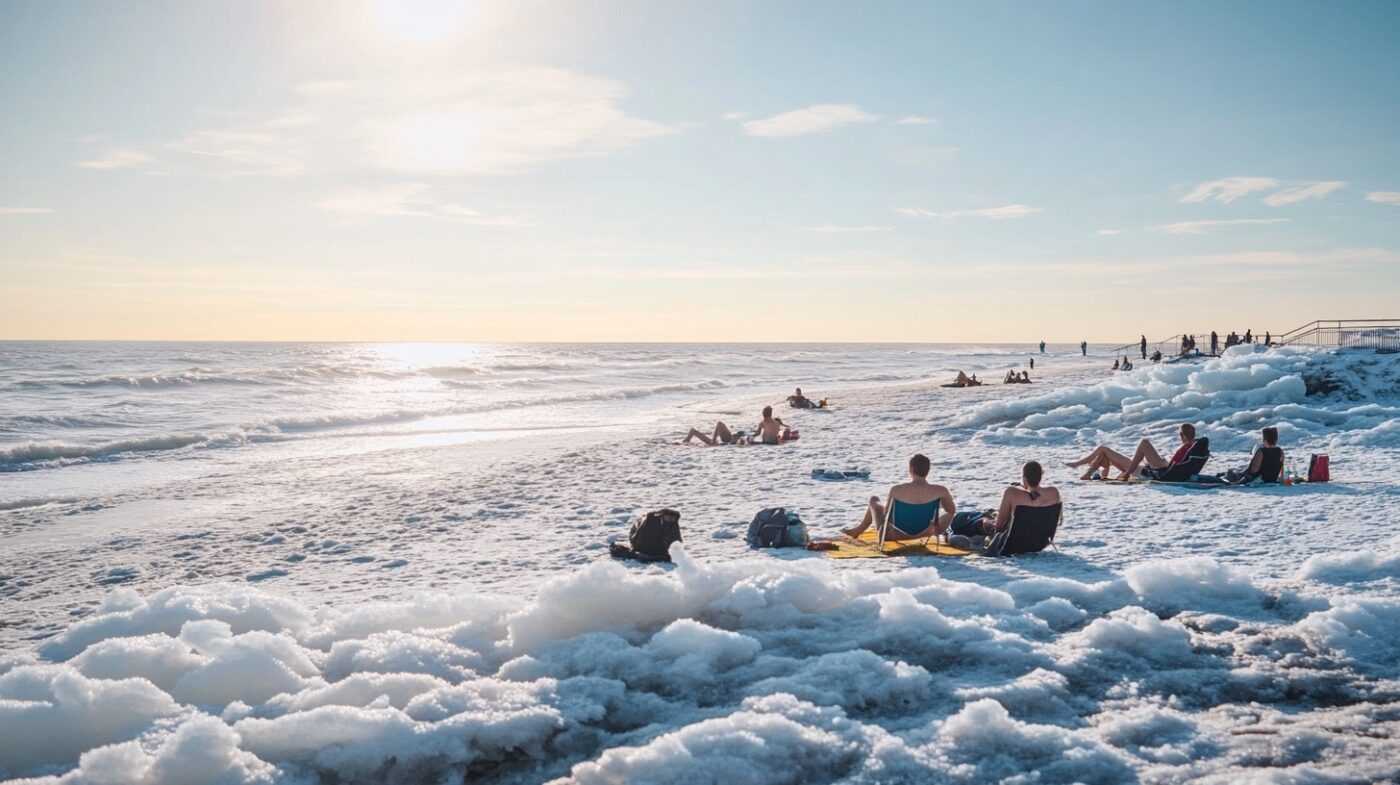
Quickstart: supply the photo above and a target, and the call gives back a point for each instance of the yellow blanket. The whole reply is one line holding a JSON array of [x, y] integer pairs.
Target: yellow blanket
[[867, 548]]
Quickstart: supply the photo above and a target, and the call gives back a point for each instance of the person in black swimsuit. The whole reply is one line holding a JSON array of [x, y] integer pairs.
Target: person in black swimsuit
[[1267, 463]]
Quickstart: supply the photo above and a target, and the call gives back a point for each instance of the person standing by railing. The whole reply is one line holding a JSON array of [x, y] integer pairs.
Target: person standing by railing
[[1214, 342]]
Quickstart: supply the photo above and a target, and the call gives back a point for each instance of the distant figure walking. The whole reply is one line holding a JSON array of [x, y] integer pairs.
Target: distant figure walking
[[1032, 363], [1214, 342], [1042, 347], [1084, 348], [1143, 344], [1248, 336], [1268, 338]]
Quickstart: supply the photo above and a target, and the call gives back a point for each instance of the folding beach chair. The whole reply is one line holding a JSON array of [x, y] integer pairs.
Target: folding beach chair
[[1031, 529], [909, 518]]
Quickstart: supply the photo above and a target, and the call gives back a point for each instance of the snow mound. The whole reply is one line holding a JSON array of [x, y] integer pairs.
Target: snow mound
[[1229, 398], [756, 670]]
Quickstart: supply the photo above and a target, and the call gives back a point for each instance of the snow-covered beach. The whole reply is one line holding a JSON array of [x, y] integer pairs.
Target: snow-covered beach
[[387, 572]]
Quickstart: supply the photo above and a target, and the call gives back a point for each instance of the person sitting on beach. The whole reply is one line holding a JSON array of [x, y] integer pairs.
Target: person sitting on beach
[[917, 491], [1010, 378], [1157, 356], [1115, 363], [721, 435], [771, 429], [1267, 463], [963, 380], [799, 401], [1028, 493], [1025, 377], [1146, 457]]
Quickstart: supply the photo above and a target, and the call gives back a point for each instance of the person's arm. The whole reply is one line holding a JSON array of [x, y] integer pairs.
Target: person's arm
[[1256, 462], [1004, 511], [944, 521]]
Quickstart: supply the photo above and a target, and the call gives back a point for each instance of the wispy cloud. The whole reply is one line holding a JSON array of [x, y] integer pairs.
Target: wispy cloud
[[996, 213], [735, 115], [117, 159], [1302, 258], [914, 119], [430, 122], [1299, 193], [25, 210], [1384, 197], [836, 229], [810, 120], [1107, 232], [1229, 189], [1201, 227], [408, 199], [269, 150]]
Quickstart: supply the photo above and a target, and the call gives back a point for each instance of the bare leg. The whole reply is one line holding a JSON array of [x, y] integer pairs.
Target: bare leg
[[694, 434], [1105, 459], [722, 433], [1148, 454], [874, 512]]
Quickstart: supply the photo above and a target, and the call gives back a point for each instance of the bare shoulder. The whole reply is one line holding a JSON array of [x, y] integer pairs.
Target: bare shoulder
[[1050, 493]]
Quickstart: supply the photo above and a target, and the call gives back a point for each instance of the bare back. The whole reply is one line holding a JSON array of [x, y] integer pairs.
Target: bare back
[[918, 492]]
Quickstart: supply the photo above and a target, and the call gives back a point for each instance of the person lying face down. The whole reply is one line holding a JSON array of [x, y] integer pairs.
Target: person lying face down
[[917, 493], [1028, 493], [1102, 458]]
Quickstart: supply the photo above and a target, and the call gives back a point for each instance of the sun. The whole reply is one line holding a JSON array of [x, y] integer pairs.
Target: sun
[[424, 20]]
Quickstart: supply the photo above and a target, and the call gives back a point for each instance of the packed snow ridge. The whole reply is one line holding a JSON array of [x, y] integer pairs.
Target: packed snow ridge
[[747, 672]]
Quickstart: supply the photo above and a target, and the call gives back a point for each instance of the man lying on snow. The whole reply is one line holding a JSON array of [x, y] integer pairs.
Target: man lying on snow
[[1146, 462], [770, 430], [799, 401]]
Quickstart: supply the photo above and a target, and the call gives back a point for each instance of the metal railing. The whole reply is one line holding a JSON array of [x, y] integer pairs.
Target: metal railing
[[1171, 347], [1381, 334]]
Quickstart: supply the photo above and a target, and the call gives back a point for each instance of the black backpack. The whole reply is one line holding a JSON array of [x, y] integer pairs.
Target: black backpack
[[651, 537], [777, 527]]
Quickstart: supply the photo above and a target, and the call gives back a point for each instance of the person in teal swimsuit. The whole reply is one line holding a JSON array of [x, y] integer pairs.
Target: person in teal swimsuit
[[919, 508]]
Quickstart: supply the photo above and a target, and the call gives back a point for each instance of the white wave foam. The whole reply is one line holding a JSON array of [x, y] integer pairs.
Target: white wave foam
[[754, 671], [1235, 394]]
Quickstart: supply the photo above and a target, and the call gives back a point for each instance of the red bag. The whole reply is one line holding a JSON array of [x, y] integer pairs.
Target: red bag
[[1318, 469]]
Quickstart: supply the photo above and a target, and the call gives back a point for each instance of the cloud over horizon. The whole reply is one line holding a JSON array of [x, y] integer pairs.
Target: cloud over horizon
[[815, 119], [994, 213], [1229, 189], [1201, 227]]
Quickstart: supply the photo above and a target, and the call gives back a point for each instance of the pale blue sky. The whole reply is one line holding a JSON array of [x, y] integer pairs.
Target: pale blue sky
[[645, 171]]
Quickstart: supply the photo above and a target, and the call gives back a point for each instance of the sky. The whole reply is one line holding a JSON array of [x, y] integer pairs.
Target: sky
[[716, 171]]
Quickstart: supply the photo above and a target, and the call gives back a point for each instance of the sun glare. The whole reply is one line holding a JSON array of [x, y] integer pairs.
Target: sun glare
[[424, 20]]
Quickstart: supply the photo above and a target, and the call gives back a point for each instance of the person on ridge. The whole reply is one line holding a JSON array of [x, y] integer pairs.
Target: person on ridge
[[1032, 363], [1143, 344], [1214, 342], [1084, 348], [1042, 347], [1102, 458], [1268, 338], [1248, 336], [917, 492]]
